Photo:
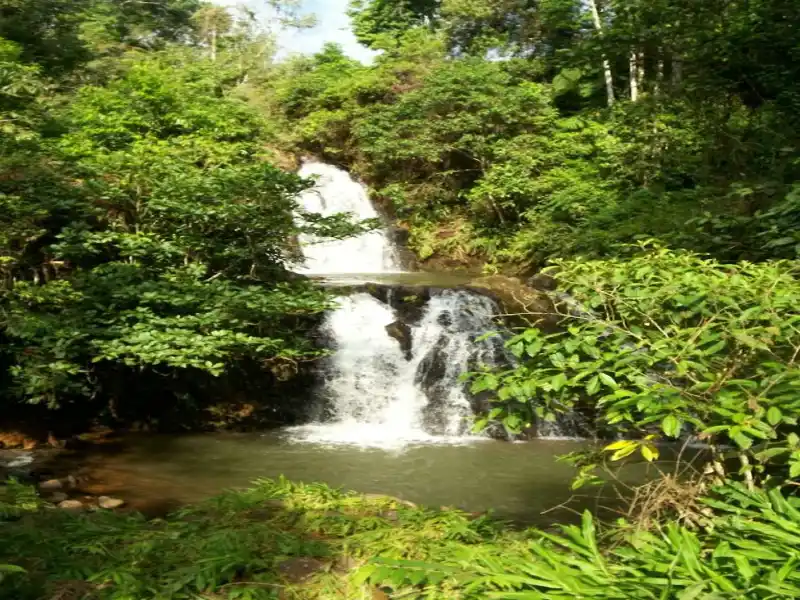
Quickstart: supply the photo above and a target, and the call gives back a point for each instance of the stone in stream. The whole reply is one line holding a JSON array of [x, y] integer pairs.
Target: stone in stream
[[73, 505], [51, 485], [431, 378], [408, 301], [109, 503], [521, 302], [402, 333]]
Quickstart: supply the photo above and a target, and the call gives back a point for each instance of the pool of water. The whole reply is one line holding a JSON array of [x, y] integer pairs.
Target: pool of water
[[522, 481]]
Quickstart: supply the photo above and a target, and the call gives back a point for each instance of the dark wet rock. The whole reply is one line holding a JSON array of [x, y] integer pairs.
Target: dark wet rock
[[543, 282], [402, 333], [431, 379], [408, 301], [445, 320]]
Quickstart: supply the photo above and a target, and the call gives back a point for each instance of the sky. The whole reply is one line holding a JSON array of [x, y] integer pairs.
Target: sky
[[333, 25]]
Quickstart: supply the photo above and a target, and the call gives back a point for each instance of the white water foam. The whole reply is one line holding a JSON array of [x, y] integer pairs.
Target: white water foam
[[376, 394], [337, 192]]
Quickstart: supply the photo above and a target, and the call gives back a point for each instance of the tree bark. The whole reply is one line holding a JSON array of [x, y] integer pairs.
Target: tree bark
[[640, 72], [677, 71], [634, 75], [659, 72], [606, 64]]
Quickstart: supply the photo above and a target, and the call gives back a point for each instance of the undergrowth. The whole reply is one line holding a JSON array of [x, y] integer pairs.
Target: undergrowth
[[285, 540]]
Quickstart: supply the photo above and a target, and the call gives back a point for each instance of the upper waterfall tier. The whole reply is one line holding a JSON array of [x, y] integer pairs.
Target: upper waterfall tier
[[337, 192]]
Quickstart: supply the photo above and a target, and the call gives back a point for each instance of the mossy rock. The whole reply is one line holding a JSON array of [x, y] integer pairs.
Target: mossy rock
[[522, 304]]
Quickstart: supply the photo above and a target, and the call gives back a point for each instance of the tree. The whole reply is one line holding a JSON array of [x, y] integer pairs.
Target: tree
[[151, 239], [607, 73], [372, 19], [212, 23]]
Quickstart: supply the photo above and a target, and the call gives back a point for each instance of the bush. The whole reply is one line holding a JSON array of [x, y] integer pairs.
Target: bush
[[667, 343], [283, 540]]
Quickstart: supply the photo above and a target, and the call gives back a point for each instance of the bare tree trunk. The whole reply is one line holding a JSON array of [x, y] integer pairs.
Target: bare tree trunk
[[640, 72], [634, 76], [677, 71], [606, 64], [659, 71], [214, 44]]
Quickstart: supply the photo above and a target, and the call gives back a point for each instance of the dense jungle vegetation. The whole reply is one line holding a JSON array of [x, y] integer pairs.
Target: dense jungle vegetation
[[516, 131], [645, 154]]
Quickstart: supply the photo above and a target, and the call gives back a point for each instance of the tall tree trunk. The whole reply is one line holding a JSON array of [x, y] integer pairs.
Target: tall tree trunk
[[634, 75], [214, 44], [640, 72], [677, 71], [606, 64], [659, 71]]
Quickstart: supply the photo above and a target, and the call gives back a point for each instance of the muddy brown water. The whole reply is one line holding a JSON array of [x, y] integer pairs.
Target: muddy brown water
[[523, 482]]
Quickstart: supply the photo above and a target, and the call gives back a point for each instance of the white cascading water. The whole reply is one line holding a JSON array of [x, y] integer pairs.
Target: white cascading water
[[377, 394], [337, 192]]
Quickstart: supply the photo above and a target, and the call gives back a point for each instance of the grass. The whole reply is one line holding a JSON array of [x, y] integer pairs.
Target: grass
[[275, 540], [284, 541]]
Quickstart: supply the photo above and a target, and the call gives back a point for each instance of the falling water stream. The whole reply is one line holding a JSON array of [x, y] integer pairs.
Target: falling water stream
[[393, 417], [376, 393]]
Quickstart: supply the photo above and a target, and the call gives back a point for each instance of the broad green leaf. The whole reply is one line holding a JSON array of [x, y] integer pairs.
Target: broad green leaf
[[671, 426]]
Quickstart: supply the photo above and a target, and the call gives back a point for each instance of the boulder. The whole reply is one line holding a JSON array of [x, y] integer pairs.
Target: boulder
[[71, 505], [543, 282], [402, 333], [531, 306], [51, 485], [408, 301], [430, 377], [16, 439], [109, 503]]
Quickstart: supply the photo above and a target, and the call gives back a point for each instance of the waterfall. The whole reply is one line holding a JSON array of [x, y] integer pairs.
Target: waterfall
[[375, 394], [337, 192], [393, 377]]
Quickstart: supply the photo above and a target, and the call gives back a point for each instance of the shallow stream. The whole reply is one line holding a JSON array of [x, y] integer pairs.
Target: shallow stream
[[519, 481]]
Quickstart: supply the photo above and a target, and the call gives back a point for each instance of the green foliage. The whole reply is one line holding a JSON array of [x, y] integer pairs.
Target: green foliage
[[62, 35], [746, 550], [243, 545], [150, 235], [374, 20], [667, 343], [239, 545], [525, 152]]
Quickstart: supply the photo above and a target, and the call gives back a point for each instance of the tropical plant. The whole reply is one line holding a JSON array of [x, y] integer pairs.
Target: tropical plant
[[669, 344]]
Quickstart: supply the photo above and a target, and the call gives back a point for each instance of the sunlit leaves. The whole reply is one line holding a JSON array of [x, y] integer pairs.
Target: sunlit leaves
[[671, 426], [678, 345], [162, 238]]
